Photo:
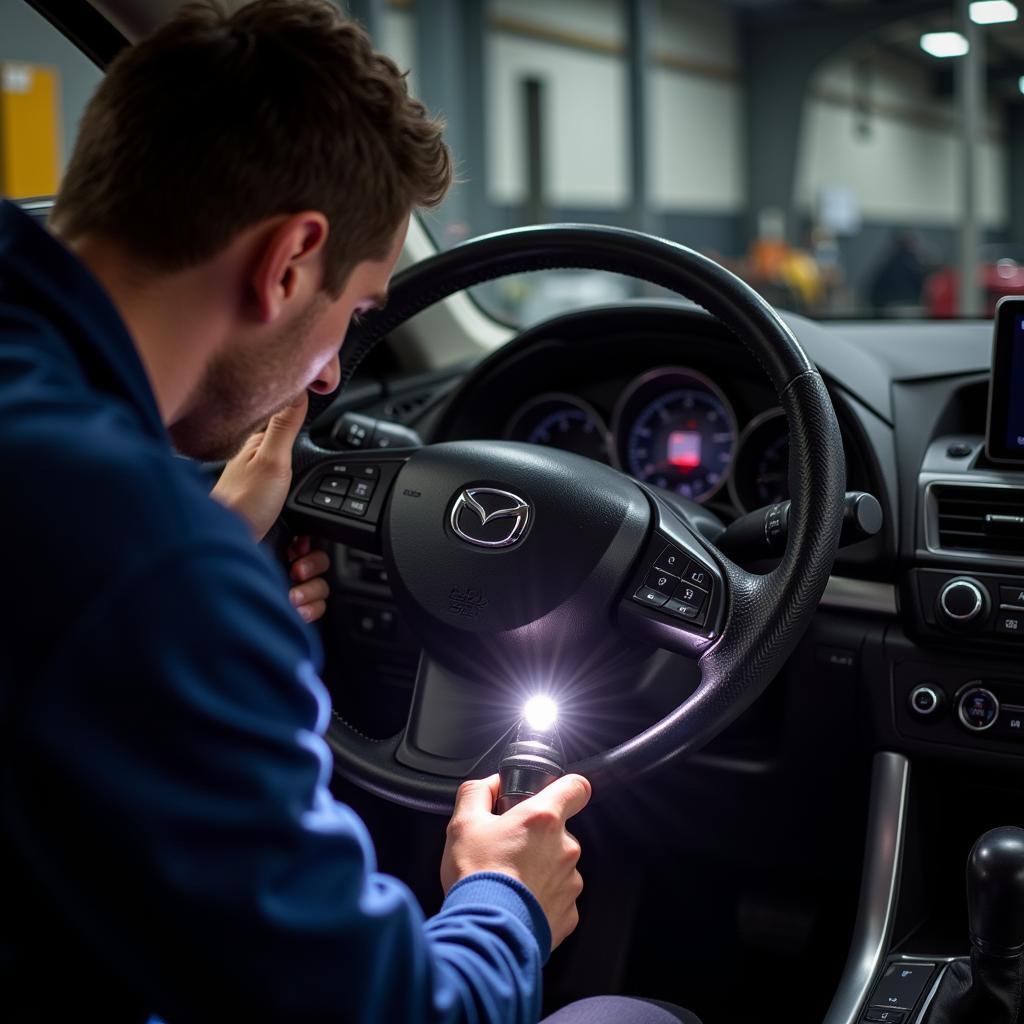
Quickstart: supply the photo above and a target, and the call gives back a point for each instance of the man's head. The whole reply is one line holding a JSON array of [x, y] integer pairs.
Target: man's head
[[273, 146]]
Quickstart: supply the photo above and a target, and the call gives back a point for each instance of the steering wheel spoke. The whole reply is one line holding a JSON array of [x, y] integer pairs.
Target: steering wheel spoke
[[456, 728], [342, 495]]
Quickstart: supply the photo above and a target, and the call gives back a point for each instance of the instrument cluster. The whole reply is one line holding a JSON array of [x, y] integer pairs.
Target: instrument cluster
[[673, 428]]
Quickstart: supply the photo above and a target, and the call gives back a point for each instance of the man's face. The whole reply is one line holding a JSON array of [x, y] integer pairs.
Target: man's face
[[252, 378]]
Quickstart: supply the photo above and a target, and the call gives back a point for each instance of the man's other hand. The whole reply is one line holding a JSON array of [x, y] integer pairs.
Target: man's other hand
[[306, 568], [529, 842], [255, 482]]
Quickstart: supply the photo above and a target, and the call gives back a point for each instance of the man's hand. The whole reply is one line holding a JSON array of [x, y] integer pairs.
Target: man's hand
[[529, 842], [306, 567], [255, 482]]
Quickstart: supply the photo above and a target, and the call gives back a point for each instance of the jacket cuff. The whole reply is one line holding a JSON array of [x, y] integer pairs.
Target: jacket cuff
[[492, 888]]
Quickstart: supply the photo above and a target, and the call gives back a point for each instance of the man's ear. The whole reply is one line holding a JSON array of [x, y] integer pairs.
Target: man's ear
[[288, 258]]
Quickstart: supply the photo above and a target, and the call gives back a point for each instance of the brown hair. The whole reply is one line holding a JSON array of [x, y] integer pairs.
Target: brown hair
[[219, 120]]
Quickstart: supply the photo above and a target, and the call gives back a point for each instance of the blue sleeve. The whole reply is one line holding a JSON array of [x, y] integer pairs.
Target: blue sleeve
[[174, 798]]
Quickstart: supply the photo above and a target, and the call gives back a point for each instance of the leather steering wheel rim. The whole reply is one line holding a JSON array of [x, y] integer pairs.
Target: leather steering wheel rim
[[767, 614]]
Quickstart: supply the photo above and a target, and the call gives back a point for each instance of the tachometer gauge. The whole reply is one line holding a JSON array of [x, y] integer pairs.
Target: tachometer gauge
[[675, 429], [561, 421], [760, 474]]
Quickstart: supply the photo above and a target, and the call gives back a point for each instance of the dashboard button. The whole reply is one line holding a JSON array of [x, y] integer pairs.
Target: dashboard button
[[662, 582], [978, 708], [650, 596], [924, 700], [1011, 722], [1012, 597], [1010, 623], [672, 560]]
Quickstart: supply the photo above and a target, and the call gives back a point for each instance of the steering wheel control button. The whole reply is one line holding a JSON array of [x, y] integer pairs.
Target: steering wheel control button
[[978, 708], [1010, 623], [335, 485], [363, 489], [650, 596], [331, 502], [354, 507], [697, 575], [962, 600], [355, 431], [687, 593], [925, 700], [662, 582], [683, 609], [672, 561]]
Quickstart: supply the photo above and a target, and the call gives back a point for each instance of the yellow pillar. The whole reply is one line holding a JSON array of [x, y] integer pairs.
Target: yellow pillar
[[29, 129]]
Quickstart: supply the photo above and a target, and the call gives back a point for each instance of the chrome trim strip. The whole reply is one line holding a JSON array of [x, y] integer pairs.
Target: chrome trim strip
[[933, 991], [883, 857], [860, 596]]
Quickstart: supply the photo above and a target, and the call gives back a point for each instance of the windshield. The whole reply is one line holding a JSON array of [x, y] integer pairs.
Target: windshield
[[846, 157], [817, 149]]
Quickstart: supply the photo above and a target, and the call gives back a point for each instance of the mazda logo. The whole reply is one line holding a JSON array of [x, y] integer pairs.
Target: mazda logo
[[490, 518]]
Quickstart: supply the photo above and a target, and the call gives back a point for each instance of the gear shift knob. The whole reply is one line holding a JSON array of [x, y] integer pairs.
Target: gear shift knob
[[995, 892]]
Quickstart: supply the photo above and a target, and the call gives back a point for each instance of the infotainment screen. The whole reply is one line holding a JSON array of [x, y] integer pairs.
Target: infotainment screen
[[1005, 441]]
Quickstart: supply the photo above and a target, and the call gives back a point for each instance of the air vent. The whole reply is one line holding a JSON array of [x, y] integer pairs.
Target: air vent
[[984, 519]]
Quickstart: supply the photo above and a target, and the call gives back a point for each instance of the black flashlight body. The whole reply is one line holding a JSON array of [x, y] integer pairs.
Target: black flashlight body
[[532, 760]]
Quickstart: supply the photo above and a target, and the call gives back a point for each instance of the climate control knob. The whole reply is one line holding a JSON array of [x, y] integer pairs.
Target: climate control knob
[[962, 601]]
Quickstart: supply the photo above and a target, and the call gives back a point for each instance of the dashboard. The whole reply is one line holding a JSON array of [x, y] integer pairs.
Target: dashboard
[[664, 394]]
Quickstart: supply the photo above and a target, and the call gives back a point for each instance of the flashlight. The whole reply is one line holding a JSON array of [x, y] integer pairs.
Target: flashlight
[[534, 758]]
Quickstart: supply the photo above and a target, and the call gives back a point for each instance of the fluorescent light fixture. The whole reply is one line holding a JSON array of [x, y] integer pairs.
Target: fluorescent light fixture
[[944, 44], [540, 713], [993, 12]]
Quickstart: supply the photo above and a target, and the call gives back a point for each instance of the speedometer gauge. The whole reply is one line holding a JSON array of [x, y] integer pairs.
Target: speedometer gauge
[[561, 421], [761, 473], [675, 429]]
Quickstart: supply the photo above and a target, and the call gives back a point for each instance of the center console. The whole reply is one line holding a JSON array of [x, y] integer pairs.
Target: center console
[[940, 933]]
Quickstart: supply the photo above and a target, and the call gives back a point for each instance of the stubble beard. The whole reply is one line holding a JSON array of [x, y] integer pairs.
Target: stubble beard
[[240, 391]]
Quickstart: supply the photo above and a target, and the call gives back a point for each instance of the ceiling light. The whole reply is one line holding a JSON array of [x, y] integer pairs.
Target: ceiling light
[[944, 44], [1020, 83], [993, 12]]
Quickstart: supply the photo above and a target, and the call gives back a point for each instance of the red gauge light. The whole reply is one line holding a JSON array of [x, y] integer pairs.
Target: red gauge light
[[684, 449]]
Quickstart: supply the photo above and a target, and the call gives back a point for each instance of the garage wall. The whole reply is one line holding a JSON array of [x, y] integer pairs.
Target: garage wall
[[26, 36], [900, 157], [889, 142]]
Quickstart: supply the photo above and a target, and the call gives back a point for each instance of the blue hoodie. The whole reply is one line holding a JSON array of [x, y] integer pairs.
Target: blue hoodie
[[170, 845]]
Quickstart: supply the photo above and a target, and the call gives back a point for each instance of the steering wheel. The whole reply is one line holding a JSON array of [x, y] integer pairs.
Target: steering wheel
[[521, 567]]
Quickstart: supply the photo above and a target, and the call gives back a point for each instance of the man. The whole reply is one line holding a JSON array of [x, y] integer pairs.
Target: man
[[239, 191]]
